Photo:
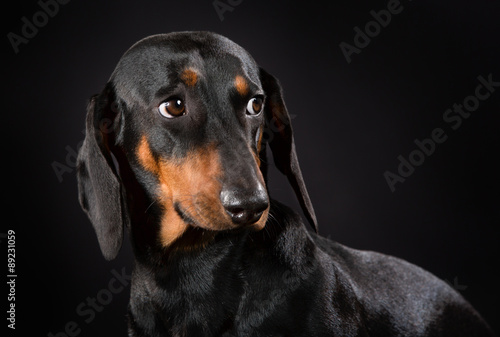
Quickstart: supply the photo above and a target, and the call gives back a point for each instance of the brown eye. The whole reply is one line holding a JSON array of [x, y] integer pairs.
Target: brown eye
[[254, 106], [172, 108]]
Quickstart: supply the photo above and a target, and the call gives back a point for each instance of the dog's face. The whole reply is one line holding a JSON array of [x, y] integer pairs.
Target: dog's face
[[194, 117], [191, 114]]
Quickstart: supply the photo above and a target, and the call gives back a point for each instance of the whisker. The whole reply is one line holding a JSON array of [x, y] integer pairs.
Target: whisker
[[151, 204]]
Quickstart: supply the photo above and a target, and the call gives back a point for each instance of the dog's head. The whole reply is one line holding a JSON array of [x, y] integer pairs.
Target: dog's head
[[188, 116]]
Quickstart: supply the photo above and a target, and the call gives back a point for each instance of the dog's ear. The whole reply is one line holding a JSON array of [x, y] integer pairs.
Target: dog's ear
[[280, 139], [100, 190]]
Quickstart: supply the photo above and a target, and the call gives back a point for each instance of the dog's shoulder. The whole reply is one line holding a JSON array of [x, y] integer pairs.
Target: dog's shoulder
[[400, 297]]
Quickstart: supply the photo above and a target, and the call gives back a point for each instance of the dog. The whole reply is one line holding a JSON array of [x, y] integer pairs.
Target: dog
[[175, 154]]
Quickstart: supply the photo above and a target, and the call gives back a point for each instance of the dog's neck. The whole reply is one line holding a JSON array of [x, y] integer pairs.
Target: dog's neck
[[212, 280]]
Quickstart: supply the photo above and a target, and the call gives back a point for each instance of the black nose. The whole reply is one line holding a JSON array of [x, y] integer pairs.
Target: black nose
[[244, 207]]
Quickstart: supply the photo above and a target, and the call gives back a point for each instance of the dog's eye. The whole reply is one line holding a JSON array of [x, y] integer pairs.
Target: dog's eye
[[172, 108], [254, 106]]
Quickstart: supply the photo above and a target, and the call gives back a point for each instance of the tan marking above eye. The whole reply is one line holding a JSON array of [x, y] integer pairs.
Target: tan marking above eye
[[241, 85], [190, 77]]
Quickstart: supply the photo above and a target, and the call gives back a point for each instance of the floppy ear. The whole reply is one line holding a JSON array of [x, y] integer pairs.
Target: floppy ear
[[280, 140], [100, 191]]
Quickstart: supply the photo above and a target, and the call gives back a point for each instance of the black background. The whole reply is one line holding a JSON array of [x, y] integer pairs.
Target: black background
[[351, 123]]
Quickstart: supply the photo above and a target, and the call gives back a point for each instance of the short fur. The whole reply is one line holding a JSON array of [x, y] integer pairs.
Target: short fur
[[181, 187]]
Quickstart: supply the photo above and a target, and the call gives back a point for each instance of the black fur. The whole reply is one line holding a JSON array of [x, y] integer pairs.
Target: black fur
[[280, 281]]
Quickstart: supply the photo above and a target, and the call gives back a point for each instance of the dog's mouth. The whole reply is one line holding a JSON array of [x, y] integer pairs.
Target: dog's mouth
[[186, 217], [206, 222], [199, 221], [183, 215]]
